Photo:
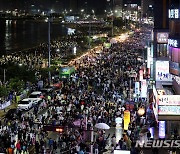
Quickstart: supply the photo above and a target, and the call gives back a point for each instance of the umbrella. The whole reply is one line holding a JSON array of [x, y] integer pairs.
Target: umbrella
[[102, 126], [77, 123]]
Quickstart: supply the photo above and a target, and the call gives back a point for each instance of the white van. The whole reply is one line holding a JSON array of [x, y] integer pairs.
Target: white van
[[25, 104], [35, 97]]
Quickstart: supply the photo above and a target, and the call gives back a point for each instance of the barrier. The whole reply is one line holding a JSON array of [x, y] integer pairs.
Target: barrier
[[5, 105]]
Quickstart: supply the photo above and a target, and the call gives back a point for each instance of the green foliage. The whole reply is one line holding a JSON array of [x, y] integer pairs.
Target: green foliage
[[20, 72], [3, 91], [118, 22], [16, 84]]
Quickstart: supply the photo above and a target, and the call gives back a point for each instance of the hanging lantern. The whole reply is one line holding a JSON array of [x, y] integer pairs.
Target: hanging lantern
[[141, 111]]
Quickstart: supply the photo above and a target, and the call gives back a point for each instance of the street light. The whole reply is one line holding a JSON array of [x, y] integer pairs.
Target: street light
[[49, 46], [112, 15]]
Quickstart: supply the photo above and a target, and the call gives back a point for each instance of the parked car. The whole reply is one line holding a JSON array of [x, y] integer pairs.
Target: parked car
[[25, 104], [35, 97]]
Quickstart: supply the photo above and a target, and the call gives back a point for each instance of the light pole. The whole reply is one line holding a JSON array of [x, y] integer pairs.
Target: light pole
[[49, 47], [112, 15]]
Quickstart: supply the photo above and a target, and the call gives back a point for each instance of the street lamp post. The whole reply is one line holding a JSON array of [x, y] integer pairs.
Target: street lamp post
[[49, 47], [112, 16]]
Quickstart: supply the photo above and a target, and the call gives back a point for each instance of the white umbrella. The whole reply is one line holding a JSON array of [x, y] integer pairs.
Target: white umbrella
[[102, 126]]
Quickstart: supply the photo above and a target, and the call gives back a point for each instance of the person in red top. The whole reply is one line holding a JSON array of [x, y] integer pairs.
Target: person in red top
[[18, 147]]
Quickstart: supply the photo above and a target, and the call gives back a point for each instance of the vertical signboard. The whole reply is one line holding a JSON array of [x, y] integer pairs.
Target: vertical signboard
[[137, 90], [162, 129], [162, 71], [140, 75], [143, 89], [126, 119]]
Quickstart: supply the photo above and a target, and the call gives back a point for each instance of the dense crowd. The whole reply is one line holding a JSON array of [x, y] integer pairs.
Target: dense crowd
[[95, 93], [34, 57]]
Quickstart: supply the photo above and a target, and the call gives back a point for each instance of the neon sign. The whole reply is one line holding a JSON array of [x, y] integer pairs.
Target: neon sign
[[174, 13], [173, 43]]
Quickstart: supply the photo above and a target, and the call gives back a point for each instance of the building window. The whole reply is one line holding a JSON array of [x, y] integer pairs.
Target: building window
[[162, 50]]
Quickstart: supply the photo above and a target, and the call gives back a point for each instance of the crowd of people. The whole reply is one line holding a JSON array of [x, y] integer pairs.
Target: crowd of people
[[35, 57], [95, 93]]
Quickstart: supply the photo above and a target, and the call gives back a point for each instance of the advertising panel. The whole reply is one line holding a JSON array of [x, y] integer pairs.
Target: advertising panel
[[149, 57], [126, 119], [137, 90], [162, 37], [140, 75], [162, 129], [169, 110], [65, 72], [174, 68], [143, 89], [174, 43], [174, 13], [162, 71], [169, 100]]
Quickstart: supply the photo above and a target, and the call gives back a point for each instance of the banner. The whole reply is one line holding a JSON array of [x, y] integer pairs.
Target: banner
[[169, 100], [126, 119], [169, 110], [4, 105]]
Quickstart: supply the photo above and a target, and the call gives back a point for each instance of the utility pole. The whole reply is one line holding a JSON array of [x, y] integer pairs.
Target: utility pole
[[112, 17], [49, 47], [89, 35], [4, 76]]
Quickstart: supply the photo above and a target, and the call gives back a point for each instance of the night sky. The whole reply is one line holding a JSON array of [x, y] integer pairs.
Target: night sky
[[49, 4]]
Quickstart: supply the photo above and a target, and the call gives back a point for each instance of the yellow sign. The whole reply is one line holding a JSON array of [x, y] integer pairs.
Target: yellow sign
[[126, 119]]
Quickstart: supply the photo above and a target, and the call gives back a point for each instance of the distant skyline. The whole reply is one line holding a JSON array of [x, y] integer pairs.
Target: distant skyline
[[52, 4], [57, 4]]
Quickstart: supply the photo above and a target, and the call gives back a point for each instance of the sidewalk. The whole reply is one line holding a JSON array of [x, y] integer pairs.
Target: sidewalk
[[12, 106]]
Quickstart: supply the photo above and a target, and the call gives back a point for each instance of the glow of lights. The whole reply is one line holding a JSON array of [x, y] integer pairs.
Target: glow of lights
[[74, 50], [141, 111]]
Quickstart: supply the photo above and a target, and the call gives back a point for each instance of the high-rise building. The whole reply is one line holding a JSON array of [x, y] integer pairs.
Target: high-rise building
[[145, 6], [174, 43], [165, 66]]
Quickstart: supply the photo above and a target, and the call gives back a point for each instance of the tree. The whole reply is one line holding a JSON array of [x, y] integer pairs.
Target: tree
[[16, 84], [3, 91]]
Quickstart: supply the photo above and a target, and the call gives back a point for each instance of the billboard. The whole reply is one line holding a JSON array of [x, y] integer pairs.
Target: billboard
[[169, 100], [162, 37], [162, 71], [174, 68], [169, 110], [143, 89], [174, 13]]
